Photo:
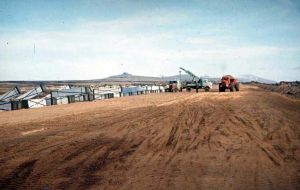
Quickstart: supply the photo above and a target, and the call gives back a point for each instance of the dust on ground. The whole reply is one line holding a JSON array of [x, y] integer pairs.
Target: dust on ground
[[290, 89], [242, 140]]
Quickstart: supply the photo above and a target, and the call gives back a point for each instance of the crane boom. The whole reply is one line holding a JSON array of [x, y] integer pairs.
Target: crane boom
[[190, 73]]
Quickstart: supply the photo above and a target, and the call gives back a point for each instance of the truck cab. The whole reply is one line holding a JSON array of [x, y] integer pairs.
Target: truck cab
[[174, 86], [202, 84]]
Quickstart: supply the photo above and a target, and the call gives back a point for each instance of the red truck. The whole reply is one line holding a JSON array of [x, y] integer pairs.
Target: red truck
[[229, 82]]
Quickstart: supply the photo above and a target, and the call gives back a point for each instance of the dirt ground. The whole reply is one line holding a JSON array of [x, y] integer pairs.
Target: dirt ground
[[244, 140], [290, 89]]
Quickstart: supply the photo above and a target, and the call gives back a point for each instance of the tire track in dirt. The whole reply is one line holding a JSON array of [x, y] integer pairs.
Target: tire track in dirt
[[17, 177], [242, 140]]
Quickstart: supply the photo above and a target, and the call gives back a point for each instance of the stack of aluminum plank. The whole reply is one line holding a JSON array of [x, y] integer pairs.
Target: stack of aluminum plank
[[6, 103], [74, 94], [106, 92], [34, 98]]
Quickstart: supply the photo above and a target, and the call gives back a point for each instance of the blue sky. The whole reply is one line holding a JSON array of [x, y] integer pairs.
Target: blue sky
[[55, 40]]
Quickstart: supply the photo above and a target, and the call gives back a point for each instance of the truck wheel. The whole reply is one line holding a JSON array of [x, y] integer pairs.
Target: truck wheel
[[237, 86], [206, 88], [231, 87], [220, 88]]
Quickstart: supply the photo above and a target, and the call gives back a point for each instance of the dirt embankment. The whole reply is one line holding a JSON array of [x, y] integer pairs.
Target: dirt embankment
[[244, 140], [290, 89]]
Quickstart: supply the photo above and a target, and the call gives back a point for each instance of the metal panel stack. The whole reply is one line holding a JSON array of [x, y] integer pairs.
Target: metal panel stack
[[34, 98], [106, 92], [74, 94], [6, 102], [129, 90], [40, 101]]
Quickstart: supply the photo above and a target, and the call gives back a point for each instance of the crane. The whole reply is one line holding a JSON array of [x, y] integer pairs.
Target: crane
[[197, 82], [195, 78]]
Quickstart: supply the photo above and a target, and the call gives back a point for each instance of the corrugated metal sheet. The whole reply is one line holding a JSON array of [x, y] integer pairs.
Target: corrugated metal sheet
[[72, 99], [106, 92], [154, 87], [60, 100], [141, 88], [74, 94], [65, 95], [135, 89], [69, 92], [63, 87], [148, 88], [39, 102], [105, 96], [5, 105], [129, 89], [162, 89], [10, 94], [15, 105], [31, 94]]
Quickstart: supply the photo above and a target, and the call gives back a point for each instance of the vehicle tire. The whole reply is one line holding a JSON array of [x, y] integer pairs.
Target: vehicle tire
[[231, 87], [206, 88], [188, 89], [220, 89], [237, 86]]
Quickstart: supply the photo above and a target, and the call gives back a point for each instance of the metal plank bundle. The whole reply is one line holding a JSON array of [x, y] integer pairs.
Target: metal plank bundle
[[6, 103], [39, 102], [106, 92], [74, 94], [129, 90], [11, 94], [31, 93], [30, 99]]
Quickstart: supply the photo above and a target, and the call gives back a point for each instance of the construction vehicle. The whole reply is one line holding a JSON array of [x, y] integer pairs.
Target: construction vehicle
[[173, 86], [229, 82], [197, 82]]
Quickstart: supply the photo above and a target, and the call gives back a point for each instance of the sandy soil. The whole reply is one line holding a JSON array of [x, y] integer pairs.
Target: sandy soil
[[290, 89], [244, 140]]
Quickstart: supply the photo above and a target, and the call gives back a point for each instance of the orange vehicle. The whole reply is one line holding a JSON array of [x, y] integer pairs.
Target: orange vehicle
[[229, 82]]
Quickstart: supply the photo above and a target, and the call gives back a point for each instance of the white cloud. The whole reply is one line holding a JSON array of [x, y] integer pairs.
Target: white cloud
[[98, 49]]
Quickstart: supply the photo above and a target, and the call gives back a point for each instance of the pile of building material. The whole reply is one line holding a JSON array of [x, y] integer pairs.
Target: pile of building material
[[106, 92], [6, 103], [157, 89], [136, 90], [132, 90], [39, 101], [71, 95], [34, 98], [40, 96]]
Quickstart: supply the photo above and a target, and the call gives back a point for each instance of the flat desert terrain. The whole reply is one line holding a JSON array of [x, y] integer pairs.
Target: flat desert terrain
[[241, 140]]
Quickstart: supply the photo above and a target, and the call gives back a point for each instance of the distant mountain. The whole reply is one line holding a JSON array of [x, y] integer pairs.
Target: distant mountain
[[126, 77], [249, 78]]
